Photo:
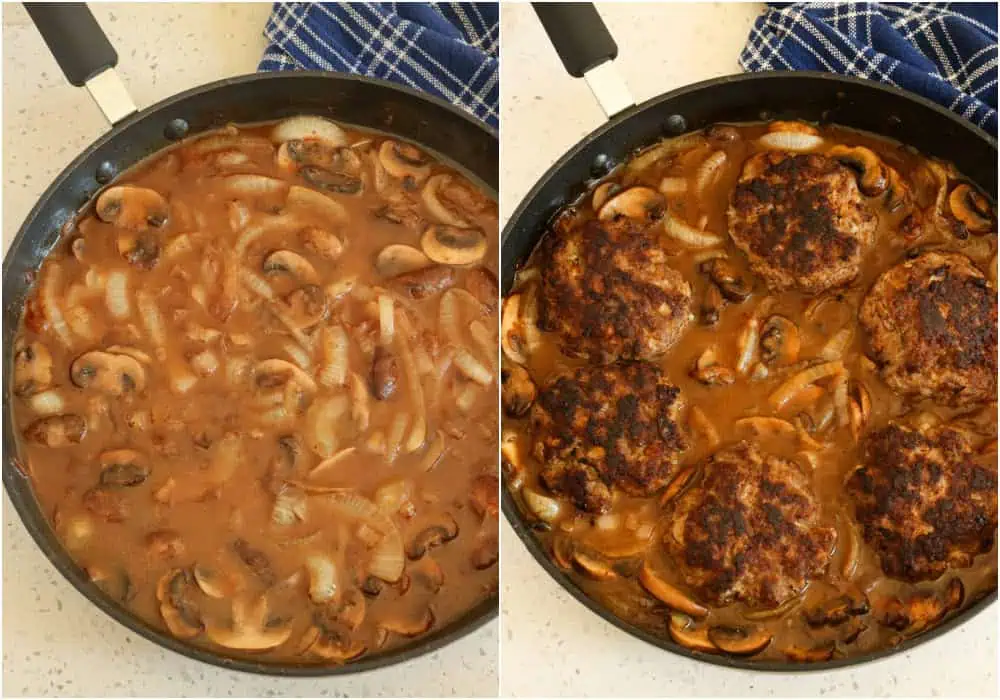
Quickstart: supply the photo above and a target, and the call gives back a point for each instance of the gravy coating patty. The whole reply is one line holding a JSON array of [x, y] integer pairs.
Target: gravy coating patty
[[607, 426], [749, 530], [923, 501], [801, 221], [609, 292], [932, 329]]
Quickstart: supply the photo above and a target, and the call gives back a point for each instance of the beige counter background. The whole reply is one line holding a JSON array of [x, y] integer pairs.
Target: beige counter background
[[56, 642], [551, 644]]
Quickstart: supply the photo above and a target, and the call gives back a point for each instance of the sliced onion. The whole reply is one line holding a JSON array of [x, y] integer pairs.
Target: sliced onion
[[434, 453], [671, 186], [318, 203], [335, 347], [467, 396], [472, 368], [708, 172], [387, 326], [840, 399], [360, 411], [322, 578], [836, 345], [431, 197], [298, 354], [152, 319], [254, 185], [50, 306], [663, 149], [700, 423], [116, 294], [82, 323], [790, 141], [239, 215], [418, 435], [396, 432], [47, 403], [392, 496], [326, 467], [800, 381], [448, 318], [388, 560], [748, 343], [680, 231], [321, 422]]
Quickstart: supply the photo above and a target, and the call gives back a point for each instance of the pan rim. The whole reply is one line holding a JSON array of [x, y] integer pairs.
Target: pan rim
[[471, 621], [519, 523]]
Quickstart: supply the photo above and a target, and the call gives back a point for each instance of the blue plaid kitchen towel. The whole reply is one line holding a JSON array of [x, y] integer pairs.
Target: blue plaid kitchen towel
[[946, 52], [445, 49]]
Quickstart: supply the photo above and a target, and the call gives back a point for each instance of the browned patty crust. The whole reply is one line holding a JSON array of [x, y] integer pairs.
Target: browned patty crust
[[932, 329], [924, 503], [609, 293], [801, 221], [607, 426], [749, 530]]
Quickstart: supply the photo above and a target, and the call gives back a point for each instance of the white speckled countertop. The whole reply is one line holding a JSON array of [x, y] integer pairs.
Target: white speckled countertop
[[56, 642], [552, 645]]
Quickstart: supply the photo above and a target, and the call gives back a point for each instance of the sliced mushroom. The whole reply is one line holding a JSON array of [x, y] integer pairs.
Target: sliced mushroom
[[593, 565], [668, 594], [321, 242], [519, 391], [141, 249], [308, 127], [678, 483], [971, 208], [304, 308], [450, 245], [485, 555], [513, 337], [723, 273], [872, 176], [108, 504], [331, 181], [255, 560], [318, 153], [433, 536], [483, 495], [435, 198], [404, 161], [164, 544], [399, 259], [687, 634], [545, 508], [385, 373], [250, 630], [779, 341], [922, 609], [57, 431], [108, 373], [332, 646], [641, 203], [819, 652], [740, 641], [214, 583], [123, 468], [276, 372], [133, 208], [837, 610], [32, 369], [425, 282], [427, 573], [712, 304], [290, 263], [713, 375], [410, 626]]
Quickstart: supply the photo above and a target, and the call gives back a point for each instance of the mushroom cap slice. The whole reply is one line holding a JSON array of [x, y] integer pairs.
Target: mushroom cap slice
[[32, 369], [404, 161], [307, 127], [108, 373], [398, 259], [57, 431], [740, 641], [410, 626], [668, 594], [641, 203], [133, 208], [688, 635], [518, 391], [433, 536], [123, 468], [971, 208], [431, 196], [450, 245], [291, 263], [249, 631]]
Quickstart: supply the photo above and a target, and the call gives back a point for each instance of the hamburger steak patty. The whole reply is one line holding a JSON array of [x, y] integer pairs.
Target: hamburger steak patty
[[605, 426], [609, 292], [932, 329], [923, 502], [749, 530], [801, 221]]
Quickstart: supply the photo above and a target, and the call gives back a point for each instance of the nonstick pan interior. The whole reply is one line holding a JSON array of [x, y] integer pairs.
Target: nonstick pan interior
[[444, 131], [811, 96]]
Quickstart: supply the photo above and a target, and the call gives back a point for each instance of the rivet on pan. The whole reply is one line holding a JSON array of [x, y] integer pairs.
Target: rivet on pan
[[105, 173], [765, 115], [176, 129], [676, 124], [602, 165]]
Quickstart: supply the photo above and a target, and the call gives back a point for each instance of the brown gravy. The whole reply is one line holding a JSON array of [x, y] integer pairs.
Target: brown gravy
[[243, 409], [621, 540]]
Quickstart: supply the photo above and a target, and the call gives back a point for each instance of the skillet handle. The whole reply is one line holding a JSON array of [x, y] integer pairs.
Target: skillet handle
[[83, 53], [586, 49]]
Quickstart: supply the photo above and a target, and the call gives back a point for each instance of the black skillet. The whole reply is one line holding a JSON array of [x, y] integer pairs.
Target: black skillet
[[588, 50], [86, 57]]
